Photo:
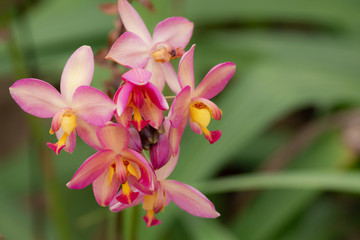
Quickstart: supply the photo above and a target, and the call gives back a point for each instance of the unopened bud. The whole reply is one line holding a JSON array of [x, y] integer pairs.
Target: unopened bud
[[160, 152], [149, 136], [135, 140]]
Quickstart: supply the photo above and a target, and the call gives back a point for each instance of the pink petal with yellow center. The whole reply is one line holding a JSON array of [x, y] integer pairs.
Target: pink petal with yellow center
[[92, 105], [189, 199], [37, 97], [130, 50], [104, 192], [180, 107], [87, 133], [114, 137], [78, 71], [137, 76], [215, 80], [122, 96], [91, 169], [132, 21], [186, 69], [175, 30], [214, 110], [171, 77]]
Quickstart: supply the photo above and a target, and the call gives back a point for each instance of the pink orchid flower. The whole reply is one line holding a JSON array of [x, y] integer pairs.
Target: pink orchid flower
[[113, 166], [137, 99], [136, 48], [186, 197], [194, 102], [78, 106]]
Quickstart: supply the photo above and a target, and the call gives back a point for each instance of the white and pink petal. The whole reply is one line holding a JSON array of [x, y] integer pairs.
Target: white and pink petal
[[92, 105], [130, 50], [37, 97], [176, 31], [77, 72], [132, 21]]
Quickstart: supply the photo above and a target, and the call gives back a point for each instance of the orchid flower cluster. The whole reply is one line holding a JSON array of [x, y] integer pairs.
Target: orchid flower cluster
[[121, 173]]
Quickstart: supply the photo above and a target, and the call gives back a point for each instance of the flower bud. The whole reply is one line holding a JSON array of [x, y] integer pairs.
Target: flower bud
[[160, 152], [135, 140], [149, 136]]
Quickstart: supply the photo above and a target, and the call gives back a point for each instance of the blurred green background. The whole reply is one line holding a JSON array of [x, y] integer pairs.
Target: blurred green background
[[286, 167]]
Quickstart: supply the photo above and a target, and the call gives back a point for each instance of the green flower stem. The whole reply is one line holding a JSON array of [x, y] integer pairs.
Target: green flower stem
[[134, 222]]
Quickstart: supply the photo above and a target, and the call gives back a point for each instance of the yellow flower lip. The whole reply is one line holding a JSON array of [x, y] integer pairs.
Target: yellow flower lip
[[68, 123], [200, 114]]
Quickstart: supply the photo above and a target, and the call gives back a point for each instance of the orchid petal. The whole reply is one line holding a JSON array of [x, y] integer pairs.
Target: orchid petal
[[175, 30], [130, 50], [114, 137], [168, 168], [195, 127], [215, 80], [70, 142], [122, 96], [91, 169], [157, 77], [171, 77], [78, 71], [92, 105], [214, 110], [186, 69], [125, 118], [37, 97], [87, 132], [132, 21], [104, 192], [180, 107], [69, 145], [116, 206], [212, 136], [156, 96], [175, 135], [189, 199], [137, 76], [152, 114]]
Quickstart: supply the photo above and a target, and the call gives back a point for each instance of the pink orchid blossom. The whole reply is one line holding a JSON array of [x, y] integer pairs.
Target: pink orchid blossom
[[186, 197], [113, 166], [78, 106], [136, 48], [194, 102], [137, 99]]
